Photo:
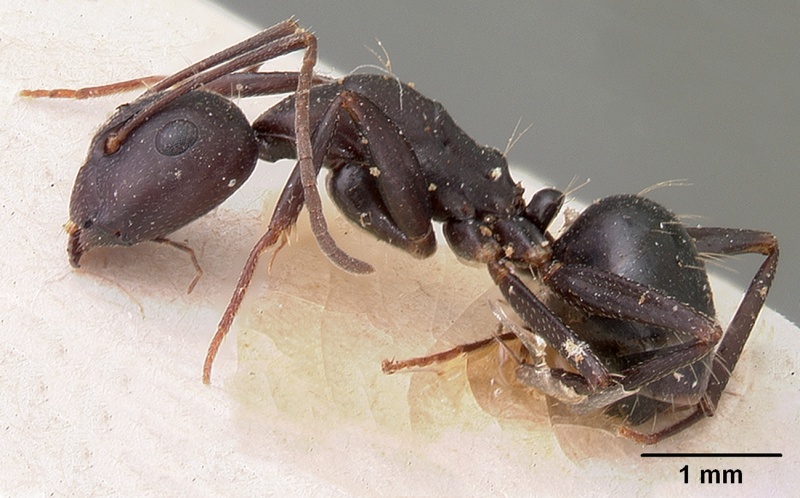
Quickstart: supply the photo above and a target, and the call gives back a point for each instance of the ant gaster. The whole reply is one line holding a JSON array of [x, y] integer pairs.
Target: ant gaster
[[648, 339]]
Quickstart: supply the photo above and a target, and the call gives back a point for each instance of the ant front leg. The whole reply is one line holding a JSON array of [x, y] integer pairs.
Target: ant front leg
[[358, 196], [268, 83], [308, 170], [287, 210], [291, 202], [389, 197], [284, 217]]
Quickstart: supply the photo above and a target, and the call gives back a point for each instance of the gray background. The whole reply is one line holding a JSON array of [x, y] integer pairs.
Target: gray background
[[626, 93]]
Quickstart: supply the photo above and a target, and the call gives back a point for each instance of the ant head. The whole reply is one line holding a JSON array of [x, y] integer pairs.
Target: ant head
[[170, 169]]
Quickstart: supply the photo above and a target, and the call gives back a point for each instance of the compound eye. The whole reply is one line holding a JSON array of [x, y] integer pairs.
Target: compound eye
[[176, 137]]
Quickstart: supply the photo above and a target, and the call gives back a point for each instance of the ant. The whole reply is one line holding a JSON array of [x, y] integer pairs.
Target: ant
[[628, 306]]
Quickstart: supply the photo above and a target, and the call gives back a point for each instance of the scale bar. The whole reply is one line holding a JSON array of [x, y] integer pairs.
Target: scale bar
[[709, 455]]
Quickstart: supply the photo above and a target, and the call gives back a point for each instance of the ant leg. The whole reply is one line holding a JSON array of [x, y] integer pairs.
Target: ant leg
[[605, 294], [548, 326], [726, 241], [384, 199], [358, 196], [287, 210], [393, 366], [308, 171], [403, 189], [588, 289]]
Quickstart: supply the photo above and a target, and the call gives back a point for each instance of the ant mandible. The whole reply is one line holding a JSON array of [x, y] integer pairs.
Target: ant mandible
[[646, 337]]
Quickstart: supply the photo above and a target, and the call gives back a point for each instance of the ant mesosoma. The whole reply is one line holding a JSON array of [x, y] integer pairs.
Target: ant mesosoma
[[634, 319]]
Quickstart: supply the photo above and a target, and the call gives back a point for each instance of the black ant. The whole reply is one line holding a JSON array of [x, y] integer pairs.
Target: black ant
[[630, 308]]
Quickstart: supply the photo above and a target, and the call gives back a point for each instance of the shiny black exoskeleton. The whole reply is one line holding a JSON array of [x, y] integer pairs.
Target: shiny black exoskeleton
[[636, 239], [397, 160], [143, 191], [629, 308], [646, 336]]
